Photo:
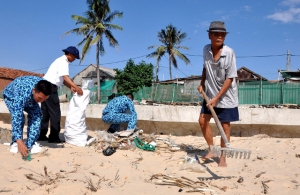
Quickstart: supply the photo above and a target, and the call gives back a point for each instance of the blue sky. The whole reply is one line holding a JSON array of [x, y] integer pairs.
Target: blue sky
[[261, 33]]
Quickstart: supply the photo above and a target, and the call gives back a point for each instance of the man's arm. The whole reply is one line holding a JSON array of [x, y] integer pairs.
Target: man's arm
[[131, 108], [69, 83], [202, 83], [17, 128]]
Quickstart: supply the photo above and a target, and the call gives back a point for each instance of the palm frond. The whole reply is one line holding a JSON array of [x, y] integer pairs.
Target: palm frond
[[101, 47], [113, 26], [82, 42], [173, 61], [80, 19], [75, 30], [100, 27], [86, 48], [181, 56], [112, 41], [96, 39], [182, 47], [113, 15]]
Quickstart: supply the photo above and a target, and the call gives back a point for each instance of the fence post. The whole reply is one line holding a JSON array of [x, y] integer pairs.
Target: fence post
[[282, 93], [154, 98], [173, 92], [261, 91]]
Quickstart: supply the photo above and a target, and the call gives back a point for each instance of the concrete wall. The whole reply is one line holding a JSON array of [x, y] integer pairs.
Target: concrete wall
[[183, 120]]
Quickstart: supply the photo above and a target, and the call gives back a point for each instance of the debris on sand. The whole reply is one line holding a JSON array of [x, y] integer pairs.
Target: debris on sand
[[182, 183]]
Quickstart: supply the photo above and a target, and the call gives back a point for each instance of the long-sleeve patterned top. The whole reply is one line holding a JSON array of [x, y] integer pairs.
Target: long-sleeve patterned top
[[120, 105], [18, 96]]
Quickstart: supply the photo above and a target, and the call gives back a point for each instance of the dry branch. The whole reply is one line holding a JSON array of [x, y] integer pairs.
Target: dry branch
[[183, 182], [258, 175], [91, 186]]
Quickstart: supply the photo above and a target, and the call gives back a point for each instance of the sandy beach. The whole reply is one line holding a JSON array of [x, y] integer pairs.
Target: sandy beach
[[273, 168]]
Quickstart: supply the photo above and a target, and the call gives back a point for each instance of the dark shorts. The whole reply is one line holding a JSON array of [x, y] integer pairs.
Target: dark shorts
[[224, 114]]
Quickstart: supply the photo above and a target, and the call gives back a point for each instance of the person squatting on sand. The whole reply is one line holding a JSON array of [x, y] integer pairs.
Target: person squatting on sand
[[57, 74], [219, 72], [114, 113], [23, 94]]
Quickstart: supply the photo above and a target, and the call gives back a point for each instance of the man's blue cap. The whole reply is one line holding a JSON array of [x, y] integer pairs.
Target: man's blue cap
[[73, 50]]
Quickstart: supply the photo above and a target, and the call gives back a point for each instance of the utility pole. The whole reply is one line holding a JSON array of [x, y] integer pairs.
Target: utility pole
[[288, 60]]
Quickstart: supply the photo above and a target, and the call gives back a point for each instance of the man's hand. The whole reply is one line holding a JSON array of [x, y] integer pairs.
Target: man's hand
[[79, 91], [22, 148], [200, 89], [212, 102], [73, 89]]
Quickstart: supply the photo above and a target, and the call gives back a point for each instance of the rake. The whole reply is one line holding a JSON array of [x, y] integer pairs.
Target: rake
[[228, 151]]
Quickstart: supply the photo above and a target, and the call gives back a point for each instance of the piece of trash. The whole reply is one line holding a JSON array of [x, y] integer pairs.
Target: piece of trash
[[192, 164], [297, 155], [240, 180], [175, 148], [90, 141], [6, 144], [152, 143], [62, 171], [260, 158], [109, 151], [27, 158], [69, 164]]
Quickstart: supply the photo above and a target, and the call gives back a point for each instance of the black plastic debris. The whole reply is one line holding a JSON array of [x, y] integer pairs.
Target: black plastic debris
[[109, 151]]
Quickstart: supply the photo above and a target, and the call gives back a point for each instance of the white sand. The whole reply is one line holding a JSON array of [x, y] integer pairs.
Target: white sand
[[129, 172]]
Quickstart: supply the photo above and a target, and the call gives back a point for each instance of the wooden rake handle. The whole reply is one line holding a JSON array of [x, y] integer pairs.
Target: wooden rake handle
[[223, 135]]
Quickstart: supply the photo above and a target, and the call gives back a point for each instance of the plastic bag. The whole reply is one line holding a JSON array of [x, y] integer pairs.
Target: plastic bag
[[192, 164], [75, 126], [105, 137]]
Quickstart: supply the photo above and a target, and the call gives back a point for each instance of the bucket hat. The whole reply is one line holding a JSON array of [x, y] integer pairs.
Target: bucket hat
[[217, 26], [73, 50]]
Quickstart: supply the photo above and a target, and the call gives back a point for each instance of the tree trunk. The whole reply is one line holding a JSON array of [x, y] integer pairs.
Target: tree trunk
[[170, 68], [98, 72], [156, 75]]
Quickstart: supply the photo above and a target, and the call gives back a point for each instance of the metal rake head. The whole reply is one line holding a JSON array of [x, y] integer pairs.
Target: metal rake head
[[230, 152]]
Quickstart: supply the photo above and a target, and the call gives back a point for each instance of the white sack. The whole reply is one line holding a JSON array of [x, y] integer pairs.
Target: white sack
[[75, 127]]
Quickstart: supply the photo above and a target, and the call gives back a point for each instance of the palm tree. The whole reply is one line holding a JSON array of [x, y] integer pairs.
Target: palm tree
[[95, 24], [171, 39]]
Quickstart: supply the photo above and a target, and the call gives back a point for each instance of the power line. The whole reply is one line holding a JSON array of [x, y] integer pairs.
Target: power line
[[260, 56], [264, 56]]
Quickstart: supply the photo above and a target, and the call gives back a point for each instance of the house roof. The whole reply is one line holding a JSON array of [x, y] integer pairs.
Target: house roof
[[108, 71], [291, 75], [245, 74], [182, 80], [10, 73]]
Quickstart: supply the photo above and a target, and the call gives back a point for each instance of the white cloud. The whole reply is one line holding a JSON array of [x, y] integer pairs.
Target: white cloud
[[205, 24], [290, 15], [247, 8], [290, 2]]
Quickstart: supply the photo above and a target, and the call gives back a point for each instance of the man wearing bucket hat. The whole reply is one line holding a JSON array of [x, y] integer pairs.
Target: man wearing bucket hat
[[57, 74], [219, 72]]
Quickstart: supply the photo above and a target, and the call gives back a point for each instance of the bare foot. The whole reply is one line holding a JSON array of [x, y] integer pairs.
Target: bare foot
[[222, 161], [209, 155]]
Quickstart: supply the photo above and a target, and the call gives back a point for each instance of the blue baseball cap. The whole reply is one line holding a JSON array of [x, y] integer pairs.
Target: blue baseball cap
[[73, 50]]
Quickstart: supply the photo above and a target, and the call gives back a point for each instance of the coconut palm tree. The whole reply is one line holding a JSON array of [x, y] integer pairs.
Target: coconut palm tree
[[171, 39], [94, 25]]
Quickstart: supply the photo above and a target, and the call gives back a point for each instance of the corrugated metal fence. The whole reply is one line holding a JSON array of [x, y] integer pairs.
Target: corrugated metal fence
[[258, 93], [261, 93], [266, 93]]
